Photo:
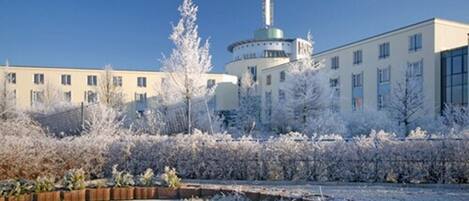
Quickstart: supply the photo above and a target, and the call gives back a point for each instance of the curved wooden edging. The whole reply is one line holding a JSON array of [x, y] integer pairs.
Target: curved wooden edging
[[184, 192]]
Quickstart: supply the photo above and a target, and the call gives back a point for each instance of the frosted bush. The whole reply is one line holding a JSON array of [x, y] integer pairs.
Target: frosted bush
[[74, 179], [376, 157], [170, 178], [121, 178]]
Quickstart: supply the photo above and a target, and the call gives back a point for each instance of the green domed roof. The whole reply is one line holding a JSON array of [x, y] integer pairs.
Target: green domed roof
[[268, 33]]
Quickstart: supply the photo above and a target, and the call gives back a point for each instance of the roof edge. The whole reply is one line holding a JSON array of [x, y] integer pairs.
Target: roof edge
[[381, 34]]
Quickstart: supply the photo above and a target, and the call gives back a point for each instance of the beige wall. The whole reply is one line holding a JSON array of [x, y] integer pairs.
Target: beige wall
[[52, 76], [437, 35]]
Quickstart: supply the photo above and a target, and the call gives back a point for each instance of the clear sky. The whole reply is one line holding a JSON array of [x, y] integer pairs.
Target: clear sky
[[133, 34]]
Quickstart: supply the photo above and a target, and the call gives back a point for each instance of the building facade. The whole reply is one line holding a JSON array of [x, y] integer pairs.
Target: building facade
[[364, 73], [81, 85]]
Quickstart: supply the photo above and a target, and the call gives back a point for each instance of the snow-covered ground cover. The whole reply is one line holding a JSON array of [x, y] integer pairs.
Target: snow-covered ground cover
[[355, 191]]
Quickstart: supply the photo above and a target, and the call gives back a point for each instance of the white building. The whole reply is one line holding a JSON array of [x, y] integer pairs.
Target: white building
[[365, 72]]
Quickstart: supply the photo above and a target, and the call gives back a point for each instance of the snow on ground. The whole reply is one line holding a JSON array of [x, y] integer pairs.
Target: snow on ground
[[356, 191]]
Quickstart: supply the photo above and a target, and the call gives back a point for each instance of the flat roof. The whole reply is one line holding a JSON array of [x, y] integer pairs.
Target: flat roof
[[388, 32], [92, 68]]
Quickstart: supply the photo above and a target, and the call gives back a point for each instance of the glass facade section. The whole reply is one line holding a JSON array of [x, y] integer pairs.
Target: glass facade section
[[454, 77]]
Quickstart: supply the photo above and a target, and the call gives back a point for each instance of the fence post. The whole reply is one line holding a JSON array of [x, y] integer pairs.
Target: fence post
[[82, 115], [443, 160]]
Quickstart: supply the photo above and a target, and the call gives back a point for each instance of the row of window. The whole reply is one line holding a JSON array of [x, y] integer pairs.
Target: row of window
[[268, 79], [37, 97], [414, 71], [259, 44], [384, 49], [267, 54], [92, 80]]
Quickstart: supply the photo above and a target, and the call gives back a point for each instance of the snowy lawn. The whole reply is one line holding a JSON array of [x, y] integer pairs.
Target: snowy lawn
[[356, 191]]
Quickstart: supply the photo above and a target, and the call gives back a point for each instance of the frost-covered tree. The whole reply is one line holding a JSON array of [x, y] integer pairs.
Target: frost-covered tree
[[248, 114], [51, 100], [327, 123], [455, 118], [7, 94], [407, 101], [359, 123], [109, 93], [188, 62], [103, 120], [306, 91]]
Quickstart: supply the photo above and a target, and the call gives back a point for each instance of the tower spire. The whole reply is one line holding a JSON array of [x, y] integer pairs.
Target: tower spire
[[268, 12]]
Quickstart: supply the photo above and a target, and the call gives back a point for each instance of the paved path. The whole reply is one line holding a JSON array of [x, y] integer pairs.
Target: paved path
[[357, 191]]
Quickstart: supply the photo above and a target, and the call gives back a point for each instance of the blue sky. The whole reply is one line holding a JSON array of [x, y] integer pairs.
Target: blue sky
[[133, 34]]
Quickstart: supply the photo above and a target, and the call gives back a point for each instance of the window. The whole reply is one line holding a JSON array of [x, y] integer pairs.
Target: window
[[415, 69], [92, 80], [357, 80], [334, 83], [281, 95], [68, 96], [141, 81], [117, 81], [382, 100], [335, 62], [415, 42], [384, 75], [282, 76], [37, 98], [268, 80], [357, 103], [211, 83], [253, 71], [268, 104], [38, 78], [91, 97], [384, 50], [274, 53], [357, 57], [11, 77], [141, 98], [66, 80]]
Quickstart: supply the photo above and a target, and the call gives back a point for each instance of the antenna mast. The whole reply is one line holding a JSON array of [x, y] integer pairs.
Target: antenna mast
[[268, 11]]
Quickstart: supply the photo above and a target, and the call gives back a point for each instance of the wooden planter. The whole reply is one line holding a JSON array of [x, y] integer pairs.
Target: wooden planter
[[98, 194], [167, 193], [47, 196], [20, 198], [145, 193], [125, 193], [77, 195], [189, 192]]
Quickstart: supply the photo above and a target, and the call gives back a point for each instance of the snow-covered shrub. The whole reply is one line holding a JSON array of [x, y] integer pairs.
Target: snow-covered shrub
[[20, 125], [19, 187], [362, 123], [122, 178], [146, 179], [171, 178], [44, 184], [326, 123], [74, 179], [376, 157], [102, 119]]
